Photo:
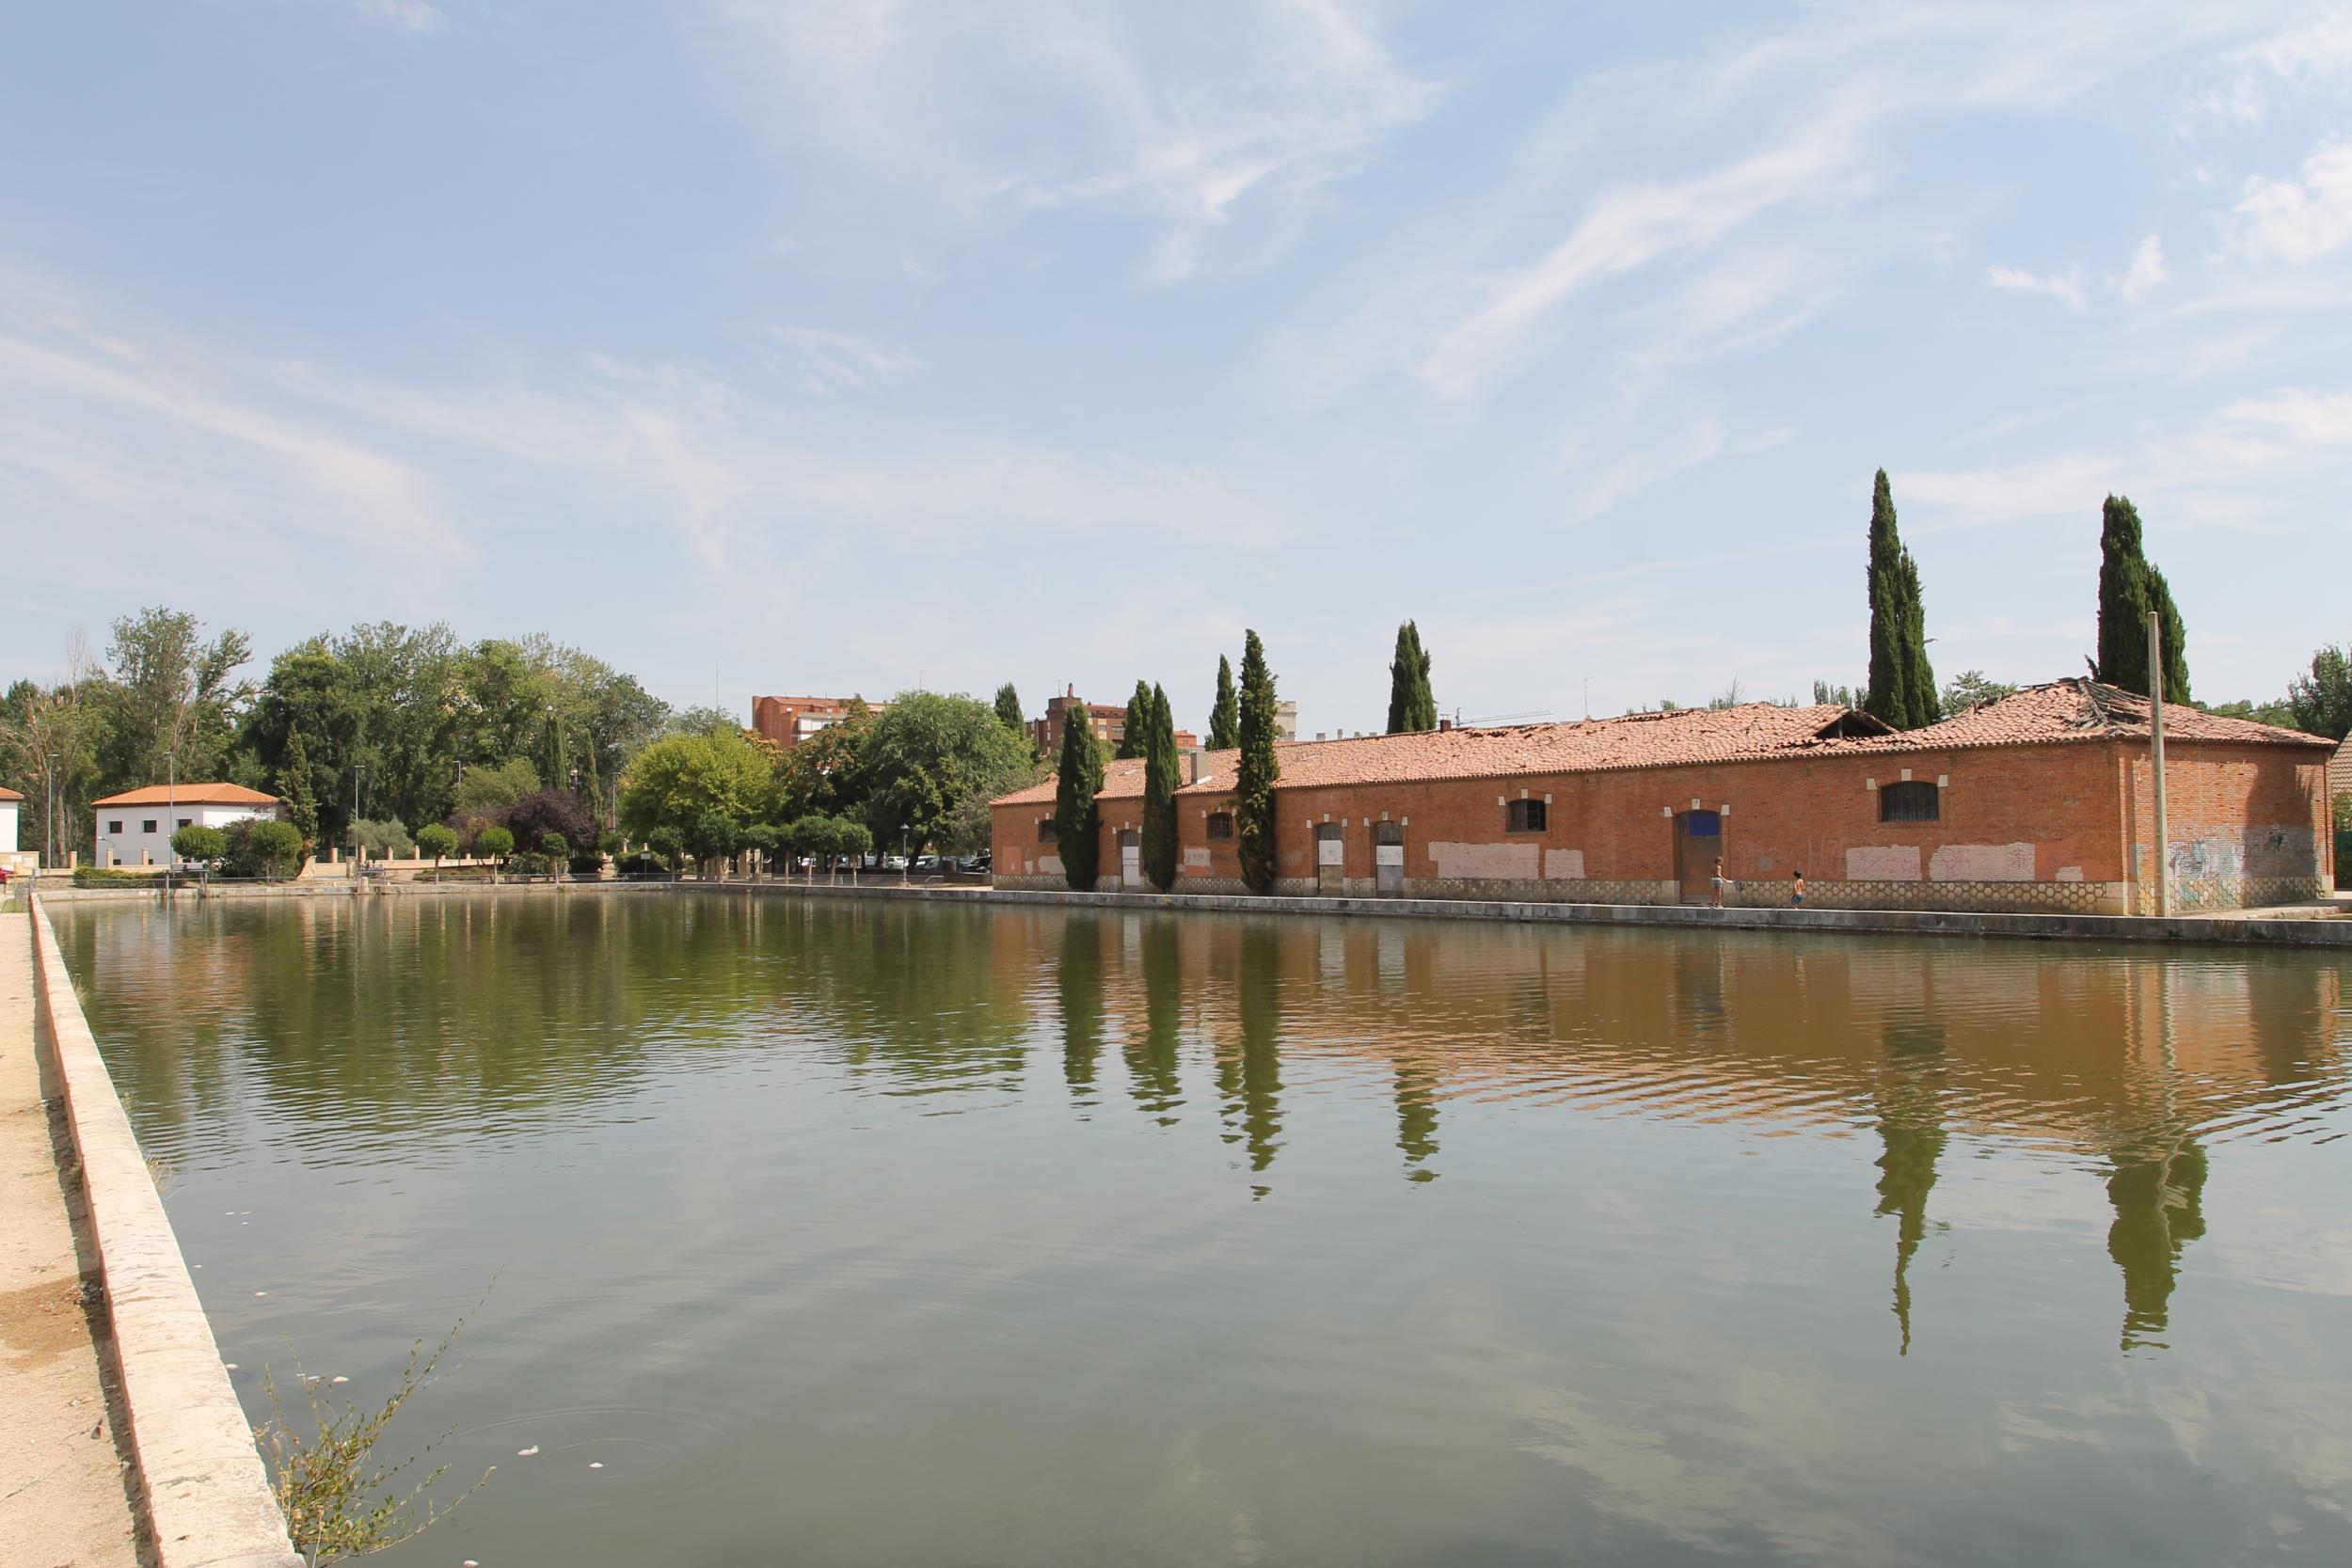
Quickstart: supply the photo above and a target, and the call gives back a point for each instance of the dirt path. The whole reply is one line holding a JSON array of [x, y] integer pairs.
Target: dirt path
[[62, 1499]]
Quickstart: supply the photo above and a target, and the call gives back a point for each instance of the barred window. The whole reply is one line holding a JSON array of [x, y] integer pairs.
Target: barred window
[[1220, 824], [1912, 800], [1524, 817], [1046, 831]]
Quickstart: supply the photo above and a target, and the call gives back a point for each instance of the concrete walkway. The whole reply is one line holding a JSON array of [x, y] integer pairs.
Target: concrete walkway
[[63, 1502]]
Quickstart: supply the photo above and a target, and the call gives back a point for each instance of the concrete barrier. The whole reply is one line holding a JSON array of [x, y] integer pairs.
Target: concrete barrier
[[2232, 931], [206, 1493]]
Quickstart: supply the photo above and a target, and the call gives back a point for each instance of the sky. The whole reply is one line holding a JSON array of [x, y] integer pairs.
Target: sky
[[856, 346]]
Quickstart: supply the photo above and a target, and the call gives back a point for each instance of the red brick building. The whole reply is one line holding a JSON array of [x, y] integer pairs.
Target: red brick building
[[1108, 722], [786, 721], [2040, 801]]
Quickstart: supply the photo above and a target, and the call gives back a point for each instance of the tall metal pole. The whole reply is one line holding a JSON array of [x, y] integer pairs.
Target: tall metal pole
[[2156, 751]]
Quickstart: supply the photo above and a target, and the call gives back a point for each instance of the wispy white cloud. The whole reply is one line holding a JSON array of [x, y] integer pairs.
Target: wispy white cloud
[[2147, 271], [2047, 487], [830, 362], [2298, 220], [1047, 104], [2065, 287], [1629, 473], [2251, 76], [414, 16], [2311, 418]]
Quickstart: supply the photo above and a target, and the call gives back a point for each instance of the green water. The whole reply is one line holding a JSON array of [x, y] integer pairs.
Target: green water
[[921, 1235]]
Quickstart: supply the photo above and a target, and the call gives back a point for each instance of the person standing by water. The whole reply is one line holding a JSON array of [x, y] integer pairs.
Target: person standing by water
[[1796, 895], [1719, 881]]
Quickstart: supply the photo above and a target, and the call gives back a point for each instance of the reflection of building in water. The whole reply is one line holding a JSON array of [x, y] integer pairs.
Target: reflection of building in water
[[2083, 1052]]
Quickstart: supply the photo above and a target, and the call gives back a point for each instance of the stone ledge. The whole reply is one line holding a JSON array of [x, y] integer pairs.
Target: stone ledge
[[2238, 931], [207, 1496]]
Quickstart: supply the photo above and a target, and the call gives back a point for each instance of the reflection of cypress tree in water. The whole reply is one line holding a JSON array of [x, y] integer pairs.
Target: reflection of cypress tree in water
[[1152, 1071], [2157, 1196], [1259, 994], [1417, 1119], [1911, 1124], [1079, 981]]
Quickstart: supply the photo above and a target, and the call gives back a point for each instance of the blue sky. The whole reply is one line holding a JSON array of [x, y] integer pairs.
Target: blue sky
[[839, 347]]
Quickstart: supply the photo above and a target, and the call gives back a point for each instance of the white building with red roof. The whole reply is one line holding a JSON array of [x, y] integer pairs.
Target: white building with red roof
[[135, 827]]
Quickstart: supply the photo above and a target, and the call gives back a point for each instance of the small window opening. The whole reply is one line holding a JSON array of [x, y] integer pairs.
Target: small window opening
[[1046, 831], [1912, 800], [1524, 817], [1220, 824]]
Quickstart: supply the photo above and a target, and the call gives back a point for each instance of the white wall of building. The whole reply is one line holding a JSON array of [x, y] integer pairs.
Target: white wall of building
[[132, 836], [8, 810]]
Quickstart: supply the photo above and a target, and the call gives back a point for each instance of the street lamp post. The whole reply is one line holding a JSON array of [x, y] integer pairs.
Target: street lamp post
[[903, 866]]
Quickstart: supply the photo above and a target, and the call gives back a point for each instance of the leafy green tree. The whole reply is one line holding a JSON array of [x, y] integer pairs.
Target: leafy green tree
[[2322, 702], [558, 852], [2129, 588], [1159, 795], [932, 765], [852, 839], [2278, 712], [196, 841], [172, 703], [437, 840], [679, 779], [1225, 718], [49, 753], [1135, 731], [491, 786], [1008, 710], [1256, 770], [761, 839], [297, 788], [494, 842], [262, 847], [1902, 684], [384, 840], [1842, 695], [1971, 688], [712, 837], [824, 775], [1412, 705], [666, 840], [1077, 822]]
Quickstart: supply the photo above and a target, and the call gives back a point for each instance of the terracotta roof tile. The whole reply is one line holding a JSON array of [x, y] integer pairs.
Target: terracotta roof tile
[[7, 794], [2066, 710], [189, 795]]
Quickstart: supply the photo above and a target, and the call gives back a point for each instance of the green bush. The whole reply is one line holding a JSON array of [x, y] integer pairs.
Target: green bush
[[276, 848], [112, 876], [196, 841], [386, 840], [496, 843], [436, 840]]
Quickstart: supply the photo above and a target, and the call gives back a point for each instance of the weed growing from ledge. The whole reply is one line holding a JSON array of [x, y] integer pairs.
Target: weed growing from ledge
[[338, 1497]]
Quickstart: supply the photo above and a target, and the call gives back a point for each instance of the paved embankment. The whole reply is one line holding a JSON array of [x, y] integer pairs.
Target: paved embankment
[[2234, 930], [201, 1485], [63, 1494]]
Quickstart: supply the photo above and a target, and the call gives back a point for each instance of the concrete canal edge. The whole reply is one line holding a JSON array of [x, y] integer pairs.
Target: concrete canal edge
[[207, 1496], [2224, 929]]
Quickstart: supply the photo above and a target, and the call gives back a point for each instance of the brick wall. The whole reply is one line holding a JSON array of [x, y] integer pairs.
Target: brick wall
[[2019, 828]]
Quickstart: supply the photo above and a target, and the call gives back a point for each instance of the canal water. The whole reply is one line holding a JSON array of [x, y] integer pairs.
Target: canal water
[[850, 1234]]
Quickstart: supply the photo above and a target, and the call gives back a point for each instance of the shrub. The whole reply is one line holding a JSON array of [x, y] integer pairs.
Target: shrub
[[196, 842], [437, 840], [553, 848], [384, 840], [260, 847], [666, 842], [112, 876], [549, 812], [610, 842], [495, 841]]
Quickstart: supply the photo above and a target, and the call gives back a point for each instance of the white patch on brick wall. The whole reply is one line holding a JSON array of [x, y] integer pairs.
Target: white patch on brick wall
[[1049, 865], [1487, 861], [1883, 863], [1564, 865], [2067, 873], [1196, 857], [1981, 863]]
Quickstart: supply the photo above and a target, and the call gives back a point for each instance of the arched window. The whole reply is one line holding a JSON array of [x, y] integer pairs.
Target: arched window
[[1524, 817], [1912, 800]]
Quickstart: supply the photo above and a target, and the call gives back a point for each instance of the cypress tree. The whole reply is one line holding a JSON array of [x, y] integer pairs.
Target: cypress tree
[[1009, 709], [1134, 731], [2129, 588], [1412, 705], [1256, 770], [1225, 718], [296, 788], [1159, 795], [1077, 823], [1902, 682]]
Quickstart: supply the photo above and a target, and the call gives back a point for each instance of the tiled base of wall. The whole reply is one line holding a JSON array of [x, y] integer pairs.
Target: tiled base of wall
[[2239, 893]]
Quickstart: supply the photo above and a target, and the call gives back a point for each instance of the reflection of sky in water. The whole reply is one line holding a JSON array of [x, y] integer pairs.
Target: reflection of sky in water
[[992, 1235]]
